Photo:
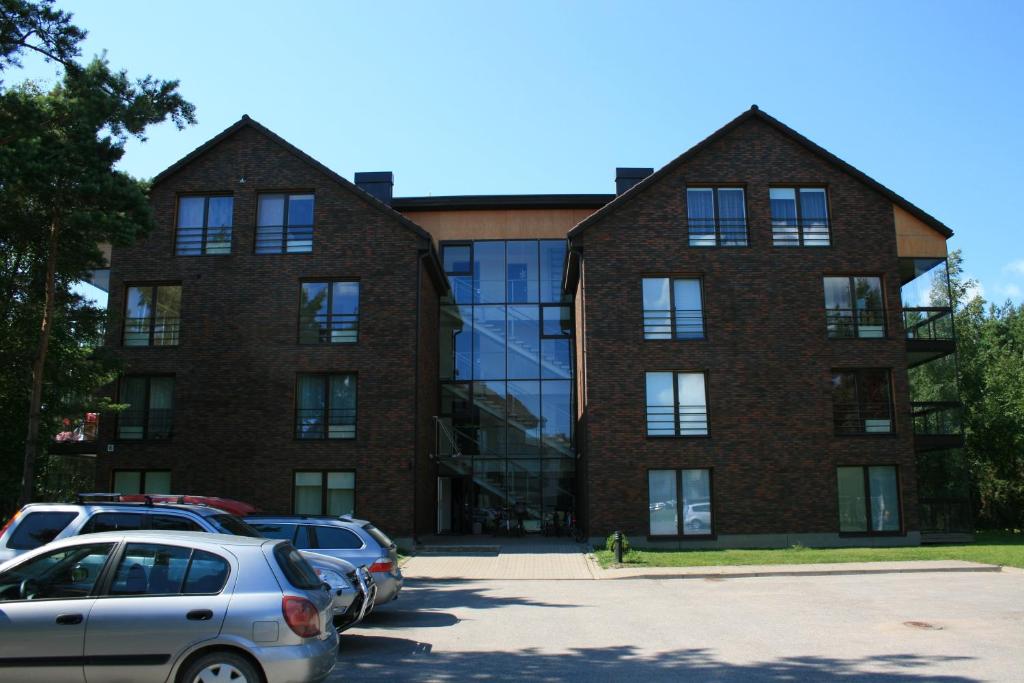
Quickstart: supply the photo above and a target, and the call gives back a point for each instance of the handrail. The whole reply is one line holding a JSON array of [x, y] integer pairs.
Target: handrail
[[929, 323], [937, 418]]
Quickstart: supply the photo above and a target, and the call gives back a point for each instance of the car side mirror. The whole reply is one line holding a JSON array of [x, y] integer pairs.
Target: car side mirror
[[326, 586]]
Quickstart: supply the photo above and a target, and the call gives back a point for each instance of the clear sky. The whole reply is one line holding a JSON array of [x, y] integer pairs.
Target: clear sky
[[549, 97]]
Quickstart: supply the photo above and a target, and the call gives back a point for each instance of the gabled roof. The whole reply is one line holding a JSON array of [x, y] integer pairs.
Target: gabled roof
[[246, 122], [755, 113]]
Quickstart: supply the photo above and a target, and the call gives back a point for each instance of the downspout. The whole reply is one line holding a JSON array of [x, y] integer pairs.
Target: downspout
[[416, 395]]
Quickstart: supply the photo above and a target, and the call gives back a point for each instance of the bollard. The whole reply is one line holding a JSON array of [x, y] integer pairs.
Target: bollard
[[617, 544]]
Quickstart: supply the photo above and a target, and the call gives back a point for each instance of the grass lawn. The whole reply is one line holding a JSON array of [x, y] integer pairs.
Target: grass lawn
[[990, 547]]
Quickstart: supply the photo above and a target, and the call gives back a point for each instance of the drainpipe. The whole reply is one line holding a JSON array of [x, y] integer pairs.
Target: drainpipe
[[416, 393]]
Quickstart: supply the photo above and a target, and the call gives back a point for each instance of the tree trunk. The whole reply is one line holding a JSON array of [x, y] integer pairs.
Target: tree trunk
[[38, 367]]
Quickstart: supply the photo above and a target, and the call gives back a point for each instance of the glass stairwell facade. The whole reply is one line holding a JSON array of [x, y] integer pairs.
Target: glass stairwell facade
[[505, 433]]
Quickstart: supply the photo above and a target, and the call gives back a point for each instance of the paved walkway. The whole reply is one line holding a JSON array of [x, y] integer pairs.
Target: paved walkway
[[485, 557]]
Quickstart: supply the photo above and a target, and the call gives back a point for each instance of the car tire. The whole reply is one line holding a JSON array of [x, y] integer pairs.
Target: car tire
[[221, 666]]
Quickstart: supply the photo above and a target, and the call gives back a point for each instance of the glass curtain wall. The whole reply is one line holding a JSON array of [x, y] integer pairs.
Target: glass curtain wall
[[506, 385]]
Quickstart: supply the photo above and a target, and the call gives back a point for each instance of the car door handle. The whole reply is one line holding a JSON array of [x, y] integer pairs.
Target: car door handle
[[200, 615], [69, 619]]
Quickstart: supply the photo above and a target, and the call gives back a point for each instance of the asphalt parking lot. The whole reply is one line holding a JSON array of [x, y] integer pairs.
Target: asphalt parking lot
[[891, 627]]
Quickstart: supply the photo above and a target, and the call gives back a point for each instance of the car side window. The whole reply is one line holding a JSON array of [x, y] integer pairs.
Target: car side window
[[337, 538], [39, 528], [206, 574], [285, 532], [112, 521], [150, 569], [173, 523], [66, 573]]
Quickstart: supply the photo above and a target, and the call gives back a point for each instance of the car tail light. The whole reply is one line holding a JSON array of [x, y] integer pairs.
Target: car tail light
[[301, 616], [9, 523], [381, 565]]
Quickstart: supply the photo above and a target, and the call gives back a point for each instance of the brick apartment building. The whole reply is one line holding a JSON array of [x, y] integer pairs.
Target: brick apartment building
[[718, 354]]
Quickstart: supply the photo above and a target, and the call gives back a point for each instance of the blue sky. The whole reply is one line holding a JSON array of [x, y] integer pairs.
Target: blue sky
[[531, 97]]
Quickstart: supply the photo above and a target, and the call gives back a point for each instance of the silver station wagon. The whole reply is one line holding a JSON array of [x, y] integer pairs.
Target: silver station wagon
[[166, 606]]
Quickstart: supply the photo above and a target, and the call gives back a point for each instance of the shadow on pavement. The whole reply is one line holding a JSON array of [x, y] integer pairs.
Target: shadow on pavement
[[441, 594], [393, 618]]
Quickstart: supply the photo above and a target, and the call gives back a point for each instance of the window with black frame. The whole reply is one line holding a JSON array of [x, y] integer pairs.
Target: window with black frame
[[679, 502], [326, 406], [673, 308], [329, 312], [324, 493], [862, 401], [869, 500], [854, 307], [204, 225], [152, 315], [149, 411], [284, 224], [799, 217], [142, 481], [676, 404], [716, 216]]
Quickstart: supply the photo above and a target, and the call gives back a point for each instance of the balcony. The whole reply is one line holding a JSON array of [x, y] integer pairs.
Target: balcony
[[946, 520], [938, 425], [929, 332], [77, 436]]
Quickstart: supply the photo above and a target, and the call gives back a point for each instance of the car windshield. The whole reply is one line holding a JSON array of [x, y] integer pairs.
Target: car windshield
[[229, 524]]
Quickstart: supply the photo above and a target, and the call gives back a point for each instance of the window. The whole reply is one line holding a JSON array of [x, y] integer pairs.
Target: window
[[173, 523], [204, 226], [802, 223], [869, 499], [150, 569], [114, 521], [337, 538], [39, 528], [152, 315], [716, 216], [666, 489], [676, 404], [326, 407], [66, 573], [325, 493], [207, 574], [861, 401], [284, 224], [150, 410], [673, 308], [329, 312], [297, 534], [853, 307], [142, 481]]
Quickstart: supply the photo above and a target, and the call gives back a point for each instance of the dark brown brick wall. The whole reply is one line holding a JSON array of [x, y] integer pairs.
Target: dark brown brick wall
[[768, 360], [238, 357]]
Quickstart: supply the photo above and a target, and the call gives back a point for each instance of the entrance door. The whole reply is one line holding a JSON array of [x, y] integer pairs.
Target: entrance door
[[444, 505]]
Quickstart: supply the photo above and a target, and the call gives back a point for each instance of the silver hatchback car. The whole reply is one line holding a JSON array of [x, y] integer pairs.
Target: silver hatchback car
[[167, 606]]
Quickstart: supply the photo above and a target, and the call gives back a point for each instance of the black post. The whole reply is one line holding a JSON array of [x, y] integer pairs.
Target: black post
[[617, 543]]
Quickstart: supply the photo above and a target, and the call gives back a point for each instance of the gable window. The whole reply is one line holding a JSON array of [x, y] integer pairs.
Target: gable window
[[152, 315], [861, 401], [326, 407], [673, 308], [799, 217], [869, 499], [716, 216], [284, 224], [853, 307], [325, 493], [329, 312], [676, 404], [666, 489], [204, 225], [150, 408], [142, 481]]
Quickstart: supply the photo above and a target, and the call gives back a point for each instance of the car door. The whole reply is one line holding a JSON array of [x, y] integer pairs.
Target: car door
[[160, 599], [44, 608]]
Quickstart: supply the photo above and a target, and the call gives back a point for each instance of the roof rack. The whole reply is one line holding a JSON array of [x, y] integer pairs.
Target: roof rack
[[81, 498]]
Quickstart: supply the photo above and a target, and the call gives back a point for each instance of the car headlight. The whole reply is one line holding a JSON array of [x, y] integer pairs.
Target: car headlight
[[332, 578]]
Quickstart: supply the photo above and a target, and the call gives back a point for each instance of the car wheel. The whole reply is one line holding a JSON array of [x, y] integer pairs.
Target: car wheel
[[221, 667]]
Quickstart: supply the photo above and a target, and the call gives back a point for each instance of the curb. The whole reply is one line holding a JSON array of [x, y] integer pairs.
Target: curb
[[609, 574]]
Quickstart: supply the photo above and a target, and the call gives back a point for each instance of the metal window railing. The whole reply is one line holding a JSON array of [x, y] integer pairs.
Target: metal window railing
[[805, 232], [930, 323], [155, 423], [937, 418], [277, 239], [330, 328], [197, 241], [683, 324], [160, 331], [864, 323], [723, 232], [872, 417], [317, 423], [684, 420]]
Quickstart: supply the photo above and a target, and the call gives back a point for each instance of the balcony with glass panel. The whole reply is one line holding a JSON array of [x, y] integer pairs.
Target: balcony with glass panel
[[927, 313]]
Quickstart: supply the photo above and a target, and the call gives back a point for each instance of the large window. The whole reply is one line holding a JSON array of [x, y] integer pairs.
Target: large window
[[150, 407], [326, 407], [204, 225], [676, 404], [853, 307], [861, 401], [679, 502], [799, 217], [142, 481], [673, 308], [325, 493], [152, 315], [329, 312], [284, 224], [716, 216], [869, 500]]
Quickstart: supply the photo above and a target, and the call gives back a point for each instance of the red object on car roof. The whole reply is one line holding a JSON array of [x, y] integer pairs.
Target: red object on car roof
[[234, 507]]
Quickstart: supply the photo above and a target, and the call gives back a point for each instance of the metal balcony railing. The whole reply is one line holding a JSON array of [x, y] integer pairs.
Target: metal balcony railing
[[159, 331], [937, 418], [806, 232], [155, 423], [946, 515], [684, 324], [198, 241], [852, 323], [318, 423], [724, 232], [685, 420], [928, 323], [329, 328], [863, 418], [276, 239]]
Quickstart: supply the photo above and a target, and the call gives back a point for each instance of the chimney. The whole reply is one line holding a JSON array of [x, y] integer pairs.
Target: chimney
[[626, 178], [377, 183]]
